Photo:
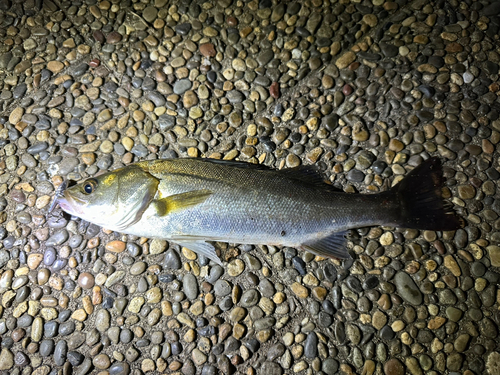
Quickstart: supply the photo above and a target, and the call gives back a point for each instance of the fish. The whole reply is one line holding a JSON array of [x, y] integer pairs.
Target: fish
[[194, 201]]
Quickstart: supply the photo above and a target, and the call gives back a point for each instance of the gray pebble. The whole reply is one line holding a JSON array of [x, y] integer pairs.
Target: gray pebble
[[330, 366], [126, 336], [84, 368], [58, 238], [222, 288], [49, 256], [270, 368], [4, 257], [119, 368], [46, 347], [67, 328], [60, 352], [311, 345], [172, 260], [190, 286], [407, 288], [215, 273], [50, 329], [37, 148], [102, 320], [182, 85], [68, 165]]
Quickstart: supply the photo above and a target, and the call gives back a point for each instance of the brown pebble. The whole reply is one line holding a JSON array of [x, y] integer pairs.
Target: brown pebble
[[18, 334], [98, 36], [347, 90], [43, 276], [454, 47], [439, 247], [394, 367], [232, 21], [274, 90], [355, 65], [93, 243], [94, 63], [160, 76], [88, 158], [113, 37], [208, 50], [32, 347], [101, 361], [127, 158], [34, 260], [63, 300], [96, 296], [116, 246], [488, 147], [17, 196], [236, 360], [175, 365], [86, 280], [124, 101]]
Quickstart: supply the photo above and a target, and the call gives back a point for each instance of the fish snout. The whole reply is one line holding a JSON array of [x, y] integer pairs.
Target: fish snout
[[67, 204]]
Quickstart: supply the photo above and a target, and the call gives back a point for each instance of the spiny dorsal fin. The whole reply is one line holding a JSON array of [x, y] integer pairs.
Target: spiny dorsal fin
[[181, 201], [237, 164], [304, 173]]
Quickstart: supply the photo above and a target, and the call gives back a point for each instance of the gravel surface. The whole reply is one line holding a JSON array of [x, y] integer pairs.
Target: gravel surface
[[363, 89]]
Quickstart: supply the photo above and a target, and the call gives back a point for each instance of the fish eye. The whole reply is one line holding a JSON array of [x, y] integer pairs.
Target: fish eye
[[89, 186]]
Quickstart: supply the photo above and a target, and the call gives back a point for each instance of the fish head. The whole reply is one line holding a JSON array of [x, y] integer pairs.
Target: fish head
[[114, 200]]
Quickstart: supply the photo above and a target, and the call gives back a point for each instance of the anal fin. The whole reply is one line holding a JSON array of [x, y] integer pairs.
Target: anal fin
[[332, 246], [203, 248], [177, 202]]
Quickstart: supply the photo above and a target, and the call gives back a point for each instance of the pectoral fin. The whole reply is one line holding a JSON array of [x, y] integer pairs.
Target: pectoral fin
[[181, 201], [203, 248], [333, 246]]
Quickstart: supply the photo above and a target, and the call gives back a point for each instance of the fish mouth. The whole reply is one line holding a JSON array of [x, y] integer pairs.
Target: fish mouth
[[69, 203]]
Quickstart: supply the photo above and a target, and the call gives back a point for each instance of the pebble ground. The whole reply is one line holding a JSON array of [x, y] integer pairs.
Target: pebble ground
[[363, 89]]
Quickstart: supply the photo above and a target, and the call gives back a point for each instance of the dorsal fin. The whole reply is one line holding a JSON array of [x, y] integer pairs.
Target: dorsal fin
[[237, 164], [308, 174], [305, 173]]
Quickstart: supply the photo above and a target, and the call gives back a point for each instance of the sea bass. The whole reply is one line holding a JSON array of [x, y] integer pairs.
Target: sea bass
[[192, 201]]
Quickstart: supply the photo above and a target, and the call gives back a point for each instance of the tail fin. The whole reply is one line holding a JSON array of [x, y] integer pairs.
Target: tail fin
[[422, 206]]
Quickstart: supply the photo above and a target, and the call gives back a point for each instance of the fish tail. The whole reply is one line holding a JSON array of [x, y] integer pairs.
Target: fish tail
[[421, 202]]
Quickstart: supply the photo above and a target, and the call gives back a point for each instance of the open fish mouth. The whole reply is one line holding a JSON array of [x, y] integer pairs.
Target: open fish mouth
[[59, 194]]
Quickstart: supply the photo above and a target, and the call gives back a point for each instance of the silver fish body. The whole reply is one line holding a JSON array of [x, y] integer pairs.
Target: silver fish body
[[191, 201]]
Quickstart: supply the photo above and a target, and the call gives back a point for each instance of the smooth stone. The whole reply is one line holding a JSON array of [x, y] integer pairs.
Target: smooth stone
[[222, 288], [60, 352], [86, 280], [102, 320], [6, 359], [311, 345], [46, 347], [394, 367], [172, 260], [407, 288], [270, 368], [182, 85], [330, 366], [119, 368], [190, 286]]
